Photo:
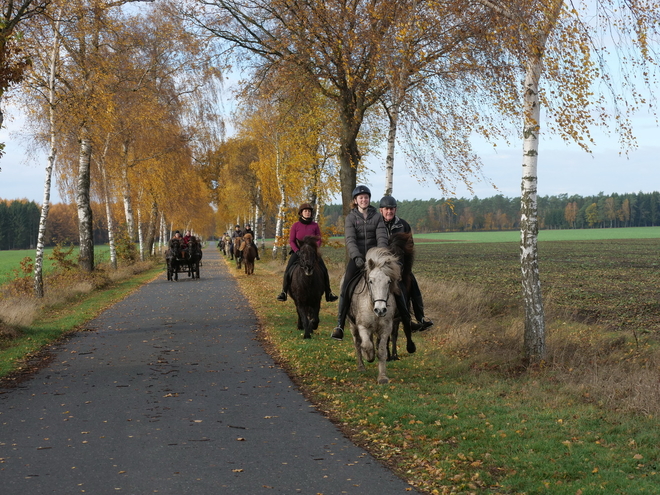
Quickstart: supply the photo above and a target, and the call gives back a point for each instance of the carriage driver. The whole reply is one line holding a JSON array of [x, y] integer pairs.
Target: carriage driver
[[364, 228], [303, 227], [394, 225]]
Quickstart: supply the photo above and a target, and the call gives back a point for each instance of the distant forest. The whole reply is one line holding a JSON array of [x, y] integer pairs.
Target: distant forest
[[19, 219], [500, 213]]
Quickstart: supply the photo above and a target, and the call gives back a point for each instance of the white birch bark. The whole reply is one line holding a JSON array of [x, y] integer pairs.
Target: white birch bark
[[279, 225], [45, 207], [140, 235], [85, 217], [126, 193], [534, 333], [393, 114], [106, 199]]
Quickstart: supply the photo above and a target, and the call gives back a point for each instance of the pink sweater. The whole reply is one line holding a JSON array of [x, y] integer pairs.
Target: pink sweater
[[298, 232]]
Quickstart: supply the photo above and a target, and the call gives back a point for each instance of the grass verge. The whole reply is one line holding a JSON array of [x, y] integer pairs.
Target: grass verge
[[461, 415]]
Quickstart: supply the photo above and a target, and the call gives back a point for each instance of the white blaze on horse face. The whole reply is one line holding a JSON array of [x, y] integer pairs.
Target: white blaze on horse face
[[379, 288]]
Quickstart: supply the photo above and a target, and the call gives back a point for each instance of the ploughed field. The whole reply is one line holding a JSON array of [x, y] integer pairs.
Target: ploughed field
[[613, 282]]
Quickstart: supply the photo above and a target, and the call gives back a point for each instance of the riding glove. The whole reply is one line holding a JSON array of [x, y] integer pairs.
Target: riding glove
[[359, 262]]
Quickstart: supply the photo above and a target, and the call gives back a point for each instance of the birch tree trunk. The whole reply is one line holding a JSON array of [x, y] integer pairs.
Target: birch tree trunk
[[393, 117], [534, 334], [45, 207], [126, 188], [140, 235], [279, 226], [108, 213], [85, 217]]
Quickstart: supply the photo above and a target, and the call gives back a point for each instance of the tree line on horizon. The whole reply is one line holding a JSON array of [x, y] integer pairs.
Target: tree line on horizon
[[501, 213], [19, 219]]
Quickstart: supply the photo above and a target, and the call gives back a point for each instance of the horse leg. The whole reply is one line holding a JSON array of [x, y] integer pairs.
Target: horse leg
[[357, 343], [392, 340], [367, 344], [382, 360]]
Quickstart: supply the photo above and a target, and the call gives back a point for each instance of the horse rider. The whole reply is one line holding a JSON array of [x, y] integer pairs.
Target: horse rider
[[186, 238], [248, 230], [364, 228], [303, 227], [395, 225], [236, 234]]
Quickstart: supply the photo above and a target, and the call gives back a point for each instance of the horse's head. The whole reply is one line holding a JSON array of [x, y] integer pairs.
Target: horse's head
[[308, 255], [248, 239], [383, 273]]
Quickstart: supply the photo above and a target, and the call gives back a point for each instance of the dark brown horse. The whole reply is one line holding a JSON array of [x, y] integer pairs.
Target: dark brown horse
[[403, 247], [173, 259], [249, 254], [237, 253], [194, 257], [307, 285]]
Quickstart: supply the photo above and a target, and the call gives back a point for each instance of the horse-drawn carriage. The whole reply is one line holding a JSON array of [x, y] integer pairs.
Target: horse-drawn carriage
[[183, 258]]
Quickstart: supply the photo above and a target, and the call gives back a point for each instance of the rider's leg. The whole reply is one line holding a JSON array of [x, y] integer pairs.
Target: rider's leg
[[418, 304], [404, 314], [344, 301], [329, 296], [286, 279]]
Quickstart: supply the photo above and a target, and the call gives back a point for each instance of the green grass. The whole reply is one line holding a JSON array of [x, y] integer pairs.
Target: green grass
[[545, 235], [455, 425], [10, 260]]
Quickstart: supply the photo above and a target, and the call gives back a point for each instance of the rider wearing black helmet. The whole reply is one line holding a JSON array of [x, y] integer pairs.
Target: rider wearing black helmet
[[394, 225], [364, 228]]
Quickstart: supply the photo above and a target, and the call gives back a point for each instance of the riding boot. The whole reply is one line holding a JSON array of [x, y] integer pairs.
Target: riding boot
[[256, 249], [418, 308], [342, 311], [329, 296], [285, 285], [404, 314]]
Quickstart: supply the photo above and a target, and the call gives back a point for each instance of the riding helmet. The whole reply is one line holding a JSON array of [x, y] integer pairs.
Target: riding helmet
[[361, 190], [387, 202], [305, 206]]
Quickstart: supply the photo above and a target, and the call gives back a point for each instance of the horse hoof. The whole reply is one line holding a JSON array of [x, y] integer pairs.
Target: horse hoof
[[393, 358], [383, 381], [411, 347], [307, 336]]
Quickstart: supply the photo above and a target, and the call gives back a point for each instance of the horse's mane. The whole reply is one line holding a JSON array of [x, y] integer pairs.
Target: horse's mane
[[384, 259], [310, 240], [247, 237], [403, 248]]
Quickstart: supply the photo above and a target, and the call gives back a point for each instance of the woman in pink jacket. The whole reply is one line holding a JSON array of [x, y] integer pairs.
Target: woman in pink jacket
[[302, 228]]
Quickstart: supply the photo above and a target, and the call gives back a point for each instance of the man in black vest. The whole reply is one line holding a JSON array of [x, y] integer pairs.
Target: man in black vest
[[394, 225]]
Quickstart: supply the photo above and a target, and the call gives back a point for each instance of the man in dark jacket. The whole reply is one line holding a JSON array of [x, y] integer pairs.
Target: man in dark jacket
[[394, 225]]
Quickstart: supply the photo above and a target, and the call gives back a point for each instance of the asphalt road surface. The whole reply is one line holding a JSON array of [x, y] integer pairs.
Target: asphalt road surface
[[170, 393]]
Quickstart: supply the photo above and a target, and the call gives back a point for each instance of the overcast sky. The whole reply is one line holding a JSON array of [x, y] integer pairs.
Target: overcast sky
[[562, 169]]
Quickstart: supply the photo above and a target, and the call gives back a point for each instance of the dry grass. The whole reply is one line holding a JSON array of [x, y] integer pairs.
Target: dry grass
[[612, 369], [19, 307]]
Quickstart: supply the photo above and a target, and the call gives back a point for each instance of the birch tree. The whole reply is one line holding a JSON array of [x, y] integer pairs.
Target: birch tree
[[45, 206], [556, 41]]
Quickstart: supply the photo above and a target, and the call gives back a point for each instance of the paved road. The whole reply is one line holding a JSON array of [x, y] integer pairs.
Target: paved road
[[170, 393]]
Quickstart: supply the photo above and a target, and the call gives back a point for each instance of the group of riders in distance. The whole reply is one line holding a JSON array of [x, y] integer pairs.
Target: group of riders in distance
[[377, 289]]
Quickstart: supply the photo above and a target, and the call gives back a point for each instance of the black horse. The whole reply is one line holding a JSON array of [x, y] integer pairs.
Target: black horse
[[173, 259], [403, 247], [307, 285], [194, 257]]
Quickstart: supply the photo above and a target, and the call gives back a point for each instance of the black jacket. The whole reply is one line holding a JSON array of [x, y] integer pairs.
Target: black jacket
[[363, 234]]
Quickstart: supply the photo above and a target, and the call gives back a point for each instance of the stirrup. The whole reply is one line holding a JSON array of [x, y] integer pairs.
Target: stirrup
[[426, 323], [330, 297], [281, 296], [338, 333]]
